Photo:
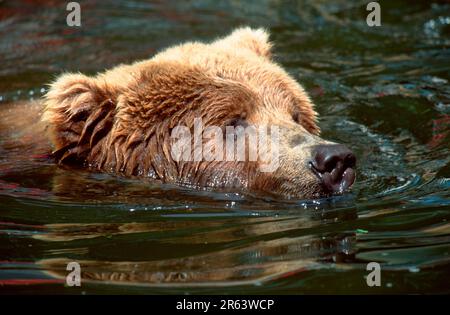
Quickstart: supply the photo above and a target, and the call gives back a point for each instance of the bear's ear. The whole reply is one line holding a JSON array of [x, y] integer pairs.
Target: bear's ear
[[256, 40], [77, 110]]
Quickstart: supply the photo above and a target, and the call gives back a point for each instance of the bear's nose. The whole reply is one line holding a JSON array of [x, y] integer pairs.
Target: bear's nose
[[334, 165]]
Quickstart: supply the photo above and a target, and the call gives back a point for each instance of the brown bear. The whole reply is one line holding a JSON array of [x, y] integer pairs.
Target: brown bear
[[123, 120]]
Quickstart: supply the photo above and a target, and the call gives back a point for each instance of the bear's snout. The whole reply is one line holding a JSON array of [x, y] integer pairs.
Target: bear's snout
[[334, 165]]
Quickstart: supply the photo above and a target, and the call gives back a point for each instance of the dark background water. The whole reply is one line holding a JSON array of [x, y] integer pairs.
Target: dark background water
[[383, 91]]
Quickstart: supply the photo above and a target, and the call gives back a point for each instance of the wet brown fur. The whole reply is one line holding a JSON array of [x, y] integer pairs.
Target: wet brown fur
[[120, 121]]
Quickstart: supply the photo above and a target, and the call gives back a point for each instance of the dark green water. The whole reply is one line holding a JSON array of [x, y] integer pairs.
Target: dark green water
[[383, 91]]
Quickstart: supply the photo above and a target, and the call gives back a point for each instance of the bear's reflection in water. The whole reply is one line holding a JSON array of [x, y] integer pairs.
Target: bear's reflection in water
[[259, 253]]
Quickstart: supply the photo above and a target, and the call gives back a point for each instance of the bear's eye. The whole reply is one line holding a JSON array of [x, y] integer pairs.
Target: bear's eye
[[296, 117], [236, 122], [232, 127]]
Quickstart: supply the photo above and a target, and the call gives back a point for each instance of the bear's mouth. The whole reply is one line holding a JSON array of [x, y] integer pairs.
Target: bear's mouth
[[337, 180]]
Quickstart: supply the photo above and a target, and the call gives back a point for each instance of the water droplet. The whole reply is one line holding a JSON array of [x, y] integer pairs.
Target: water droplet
[[414, 269]]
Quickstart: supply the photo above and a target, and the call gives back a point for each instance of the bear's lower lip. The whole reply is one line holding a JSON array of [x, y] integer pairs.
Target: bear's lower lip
[[348, 178], [334, 182]]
